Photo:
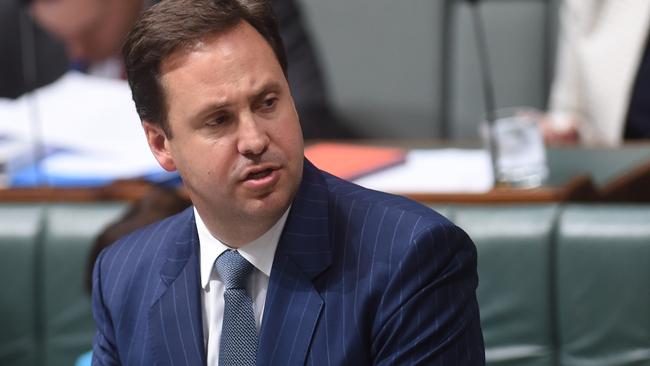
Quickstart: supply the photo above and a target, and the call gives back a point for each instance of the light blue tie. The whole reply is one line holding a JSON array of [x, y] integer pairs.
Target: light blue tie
[[238, 344]]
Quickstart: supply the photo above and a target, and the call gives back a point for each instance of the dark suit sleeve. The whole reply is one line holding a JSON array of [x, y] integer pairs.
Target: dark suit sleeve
[[104, 350], [431, 312]]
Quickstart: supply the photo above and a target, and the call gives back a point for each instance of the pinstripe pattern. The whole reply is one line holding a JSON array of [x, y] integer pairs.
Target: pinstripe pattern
[[359, 277]]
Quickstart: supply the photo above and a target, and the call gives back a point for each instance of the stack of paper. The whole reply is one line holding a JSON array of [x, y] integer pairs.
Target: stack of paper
[[436, 171], [88, 124]]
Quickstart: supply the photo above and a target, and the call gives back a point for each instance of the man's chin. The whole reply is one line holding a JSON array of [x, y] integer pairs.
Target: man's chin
[[270, 205]]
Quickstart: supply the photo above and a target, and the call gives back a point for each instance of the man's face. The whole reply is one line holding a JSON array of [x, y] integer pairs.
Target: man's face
[[236, 139], [91, 30]]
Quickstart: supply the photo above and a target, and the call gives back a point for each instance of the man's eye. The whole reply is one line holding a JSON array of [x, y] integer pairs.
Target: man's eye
[[217, 120], [269, 103]]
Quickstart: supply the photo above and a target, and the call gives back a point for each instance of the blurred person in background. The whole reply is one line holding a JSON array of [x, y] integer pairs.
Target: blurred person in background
[[91, 30], [601, 90], [92, 33], [18, 35]]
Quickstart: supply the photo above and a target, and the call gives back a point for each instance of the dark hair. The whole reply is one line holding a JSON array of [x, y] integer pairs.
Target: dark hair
[[176, 24]]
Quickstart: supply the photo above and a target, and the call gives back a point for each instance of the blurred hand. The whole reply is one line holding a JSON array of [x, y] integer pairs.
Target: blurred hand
[[559, 128]]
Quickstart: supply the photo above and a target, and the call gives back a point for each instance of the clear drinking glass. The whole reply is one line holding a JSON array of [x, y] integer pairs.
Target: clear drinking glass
[[518, 147]]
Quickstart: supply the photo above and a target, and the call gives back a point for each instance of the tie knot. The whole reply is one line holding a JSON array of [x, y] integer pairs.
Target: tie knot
[[233, 269]]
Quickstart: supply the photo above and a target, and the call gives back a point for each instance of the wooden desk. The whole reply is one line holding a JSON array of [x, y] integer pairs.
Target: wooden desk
[[577, 175], [128, 191], [579, 189]]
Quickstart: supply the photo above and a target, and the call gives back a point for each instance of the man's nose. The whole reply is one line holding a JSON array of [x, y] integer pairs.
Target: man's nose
[[253, 138]]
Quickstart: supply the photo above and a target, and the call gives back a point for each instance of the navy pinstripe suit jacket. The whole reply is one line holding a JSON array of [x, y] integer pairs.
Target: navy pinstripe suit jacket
[[359, 278]]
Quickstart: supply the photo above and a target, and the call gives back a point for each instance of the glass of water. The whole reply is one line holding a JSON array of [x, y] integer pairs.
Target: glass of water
[[517, 147]]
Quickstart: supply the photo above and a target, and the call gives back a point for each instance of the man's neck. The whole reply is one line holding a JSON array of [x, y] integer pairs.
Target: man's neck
[[237, 232]]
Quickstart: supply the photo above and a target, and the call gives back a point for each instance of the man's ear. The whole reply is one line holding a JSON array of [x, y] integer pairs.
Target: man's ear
[[159, 145]]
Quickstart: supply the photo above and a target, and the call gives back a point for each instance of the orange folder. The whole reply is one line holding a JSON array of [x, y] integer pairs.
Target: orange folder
[[349, 161]]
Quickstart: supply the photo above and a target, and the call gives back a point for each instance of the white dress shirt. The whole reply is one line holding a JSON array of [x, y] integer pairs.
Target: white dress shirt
[[259, 253]]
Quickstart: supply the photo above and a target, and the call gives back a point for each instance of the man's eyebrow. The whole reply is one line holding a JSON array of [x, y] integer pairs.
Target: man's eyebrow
[[210, 108], [270, 87]]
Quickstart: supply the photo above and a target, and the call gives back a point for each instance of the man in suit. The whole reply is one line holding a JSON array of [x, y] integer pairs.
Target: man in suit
[[277, 263]]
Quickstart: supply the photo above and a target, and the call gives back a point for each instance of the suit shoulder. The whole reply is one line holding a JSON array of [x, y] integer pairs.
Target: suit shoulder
[[346, 193], [148, 237], [123, 269]]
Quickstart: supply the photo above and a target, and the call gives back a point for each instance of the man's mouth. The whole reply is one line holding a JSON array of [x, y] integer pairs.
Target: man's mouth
[[259, 175]]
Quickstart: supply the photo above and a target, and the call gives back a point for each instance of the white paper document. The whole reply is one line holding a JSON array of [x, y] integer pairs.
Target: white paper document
[[435, 171], [92, 120]]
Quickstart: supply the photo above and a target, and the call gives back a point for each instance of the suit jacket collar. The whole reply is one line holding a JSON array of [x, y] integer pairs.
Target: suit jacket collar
[[176, 324], [305, 238], [293, 304], [292, 307]]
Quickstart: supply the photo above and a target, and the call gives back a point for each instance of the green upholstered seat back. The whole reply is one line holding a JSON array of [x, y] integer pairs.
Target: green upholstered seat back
[[604, 286], [514, 290], [45, 311], [20, 229], [69, 234], [568, 283]]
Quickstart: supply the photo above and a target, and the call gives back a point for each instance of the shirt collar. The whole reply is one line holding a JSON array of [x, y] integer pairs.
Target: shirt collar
[[259, 252]]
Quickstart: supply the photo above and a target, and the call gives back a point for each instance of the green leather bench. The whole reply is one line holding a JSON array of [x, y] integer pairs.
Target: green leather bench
[[603, 289], [45, 311], [19, 233], [559, 285], [562, 285], [514, 290]]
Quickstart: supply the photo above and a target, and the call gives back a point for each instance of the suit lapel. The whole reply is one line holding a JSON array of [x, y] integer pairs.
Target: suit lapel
[[176, 330], [293, 304]]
